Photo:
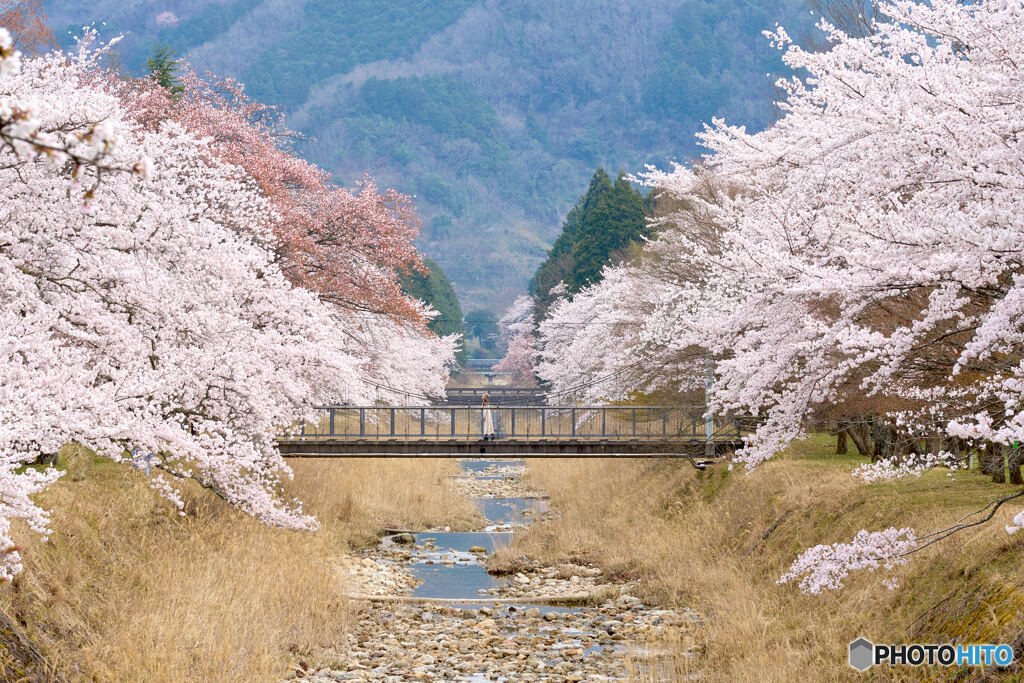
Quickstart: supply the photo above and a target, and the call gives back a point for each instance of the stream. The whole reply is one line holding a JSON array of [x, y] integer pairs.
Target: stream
[[431, 611], [452, 565]]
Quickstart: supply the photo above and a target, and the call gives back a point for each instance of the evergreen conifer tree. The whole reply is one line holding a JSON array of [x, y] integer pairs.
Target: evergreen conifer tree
[[602, 224], [164, 68], [616, 220]]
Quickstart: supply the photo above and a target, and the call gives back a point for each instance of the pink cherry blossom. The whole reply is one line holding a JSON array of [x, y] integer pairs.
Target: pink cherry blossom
[[517, 331], [866, 247], [824, 567], [163, 320]]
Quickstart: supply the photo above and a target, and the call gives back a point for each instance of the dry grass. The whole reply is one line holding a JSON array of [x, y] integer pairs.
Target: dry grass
[[128, 590], [362, 495], [696, 539]]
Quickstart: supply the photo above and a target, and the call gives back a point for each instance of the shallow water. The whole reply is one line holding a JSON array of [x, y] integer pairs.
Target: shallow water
[[454, 582], [461, 541], [509, 510], [574, 639], [478, 465], [442, 559]]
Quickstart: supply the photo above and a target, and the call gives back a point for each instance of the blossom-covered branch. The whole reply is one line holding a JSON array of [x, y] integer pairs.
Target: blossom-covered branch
[[860, 261], [163, 319]]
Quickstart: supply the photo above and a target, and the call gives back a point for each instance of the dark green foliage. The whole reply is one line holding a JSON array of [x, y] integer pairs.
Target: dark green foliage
[[435, 288], [208, 23], [559, 263], [435, 107], [617, 220], [339, 35], [441, 103], [700, 72], [602, 225], [163, 66], [437, 190]]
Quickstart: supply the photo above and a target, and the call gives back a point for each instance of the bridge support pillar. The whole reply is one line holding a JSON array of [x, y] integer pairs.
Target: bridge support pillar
[[709, 449]]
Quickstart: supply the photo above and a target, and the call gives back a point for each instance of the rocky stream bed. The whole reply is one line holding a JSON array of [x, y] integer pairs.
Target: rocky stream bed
[[430, 610]]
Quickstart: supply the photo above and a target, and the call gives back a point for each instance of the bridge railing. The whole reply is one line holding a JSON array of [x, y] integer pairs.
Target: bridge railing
[[512, 396], [517, 422]]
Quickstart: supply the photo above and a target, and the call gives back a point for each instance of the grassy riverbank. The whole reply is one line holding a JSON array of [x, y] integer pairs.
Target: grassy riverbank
[[718, 540], [126, 589]]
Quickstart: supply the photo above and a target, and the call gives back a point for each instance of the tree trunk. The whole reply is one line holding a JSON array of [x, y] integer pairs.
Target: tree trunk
[[981, 458], [861, 439], [877, 440], [1014, 458], [886, 441], [984, 459], [958, 448], [992, 462], [841, 442]]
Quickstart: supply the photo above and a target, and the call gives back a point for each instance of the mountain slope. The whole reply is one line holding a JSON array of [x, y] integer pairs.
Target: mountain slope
[[494, 113]]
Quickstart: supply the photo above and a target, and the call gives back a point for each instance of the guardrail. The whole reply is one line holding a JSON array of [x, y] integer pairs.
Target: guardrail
[[520, 422]]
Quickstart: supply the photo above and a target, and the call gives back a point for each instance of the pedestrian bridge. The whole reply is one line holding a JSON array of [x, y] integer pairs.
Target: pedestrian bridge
[[520, 431], [499, 395]]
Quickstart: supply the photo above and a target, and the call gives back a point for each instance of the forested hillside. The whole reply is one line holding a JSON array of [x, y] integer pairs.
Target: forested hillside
[[493, 113]]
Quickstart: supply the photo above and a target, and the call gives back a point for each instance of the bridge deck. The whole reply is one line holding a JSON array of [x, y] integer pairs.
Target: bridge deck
[[517, 448], [521, 431]]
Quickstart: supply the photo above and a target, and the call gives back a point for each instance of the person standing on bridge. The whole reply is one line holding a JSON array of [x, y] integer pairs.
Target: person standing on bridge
[[488, 419]]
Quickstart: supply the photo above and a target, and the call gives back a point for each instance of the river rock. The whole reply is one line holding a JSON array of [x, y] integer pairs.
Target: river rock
[[446, 643], [485, 625]]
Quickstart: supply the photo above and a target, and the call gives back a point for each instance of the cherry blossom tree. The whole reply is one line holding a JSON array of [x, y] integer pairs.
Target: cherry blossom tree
[[589, 341], [347, 245], [146, 311], [517, 331], [833, 278], [868, 245], [26, 24], [640, 330]]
